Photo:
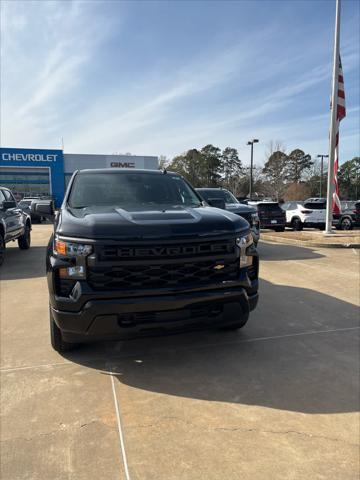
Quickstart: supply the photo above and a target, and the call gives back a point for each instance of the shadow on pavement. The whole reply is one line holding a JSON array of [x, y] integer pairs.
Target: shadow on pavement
[[281, 252], [298, 371], [21, 264]]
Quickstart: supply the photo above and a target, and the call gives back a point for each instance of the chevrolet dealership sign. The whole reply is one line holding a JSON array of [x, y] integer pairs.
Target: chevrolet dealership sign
[[23, 158], [28, 157]]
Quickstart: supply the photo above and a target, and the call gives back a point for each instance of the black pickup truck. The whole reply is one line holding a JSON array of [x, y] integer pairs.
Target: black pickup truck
[[139, 252], [15, 224]]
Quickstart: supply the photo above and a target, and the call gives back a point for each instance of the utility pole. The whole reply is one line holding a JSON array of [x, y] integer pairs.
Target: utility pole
[[251, 142], [322, 171]]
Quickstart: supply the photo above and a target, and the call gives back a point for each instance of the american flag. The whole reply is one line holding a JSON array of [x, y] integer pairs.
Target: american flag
[[341, 113]]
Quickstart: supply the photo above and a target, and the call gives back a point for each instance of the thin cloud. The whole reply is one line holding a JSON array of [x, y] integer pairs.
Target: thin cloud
[[234, 86], [72, 38]]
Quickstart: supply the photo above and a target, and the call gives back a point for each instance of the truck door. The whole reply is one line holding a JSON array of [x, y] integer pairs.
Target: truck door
[[13, 218]]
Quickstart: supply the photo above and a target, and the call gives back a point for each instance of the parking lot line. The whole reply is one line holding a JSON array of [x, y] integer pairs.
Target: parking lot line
[[44, 365], [121, 435]]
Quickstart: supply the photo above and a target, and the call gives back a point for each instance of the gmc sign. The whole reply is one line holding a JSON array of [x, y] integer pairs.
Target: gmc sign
[[122, 164]]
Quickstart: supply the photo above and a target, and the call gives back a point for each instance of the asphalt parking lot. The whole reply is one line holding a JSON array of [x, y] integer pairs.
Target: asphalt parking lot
[[277, 400]]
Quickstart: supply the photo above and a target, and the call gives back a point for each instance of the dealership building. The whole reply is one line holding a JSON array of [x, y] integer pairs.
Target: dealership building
[[31, 172]]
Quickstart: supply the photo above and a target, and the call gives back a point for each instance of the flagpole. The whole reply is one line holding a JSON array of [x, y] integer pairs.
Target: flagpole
[[333, 129]]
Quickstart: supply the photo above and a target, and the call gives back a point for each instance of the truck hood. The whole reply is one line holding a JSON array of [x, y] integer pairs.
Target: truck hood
[[240, 208], [173, 222]]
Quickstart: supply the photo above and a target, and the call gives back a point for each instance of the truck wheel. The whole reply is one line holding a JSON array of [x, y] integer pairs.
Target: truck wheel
[[57, 341], [25, 240], [346, 224], [2, 248], [296, 224]]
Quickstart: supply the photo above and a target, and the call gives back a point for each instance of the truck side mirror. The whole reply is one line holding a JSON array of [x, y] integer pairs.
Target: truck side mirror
[[217, 203], [8, 204]]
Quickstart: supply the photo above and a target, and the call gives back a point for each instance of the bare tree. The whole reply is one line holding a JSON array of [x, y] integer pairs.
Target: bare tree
[[274, 146], [163, 162]]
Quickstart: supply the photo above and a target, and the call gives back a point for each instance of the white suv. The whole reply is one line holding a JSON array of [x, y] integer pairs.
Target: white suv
[[311, 213]]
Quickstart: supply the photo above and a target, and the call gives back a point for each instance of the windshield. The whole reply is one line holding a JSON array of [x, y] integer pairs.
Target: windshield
[[225, 195], [131, 190], [347, 205], [269, 206], [315, 205]]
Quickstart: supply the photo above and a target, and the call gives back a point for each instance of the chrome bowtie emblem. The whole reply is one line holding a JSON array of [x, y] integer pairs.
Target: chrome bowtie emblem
[[219, 267]]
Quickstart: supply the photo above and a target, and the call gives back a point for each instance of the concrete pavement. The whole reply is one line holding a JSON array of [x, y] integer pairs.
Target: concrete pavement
[[277, 400]]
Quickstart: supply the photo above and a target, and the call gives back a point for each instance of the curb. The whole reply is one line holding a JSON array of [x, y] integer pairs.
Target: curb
[[309, 243]]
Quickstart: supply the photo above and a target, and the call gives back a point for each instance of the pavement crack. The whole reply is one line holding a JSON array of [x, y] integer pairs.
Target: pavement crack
[[30, 439], [62, 428], [242, 429], [287, 432]]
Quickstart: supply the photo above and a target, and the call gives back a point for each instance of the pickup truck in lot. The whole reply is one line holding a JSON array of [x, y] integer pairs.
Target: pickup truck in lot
[[135, 252], [229, 202], [15, 224], [349, 216]]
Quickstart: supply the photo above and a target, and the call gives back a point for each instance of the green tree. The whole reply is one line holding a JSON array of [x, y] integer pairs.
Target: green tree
[[212, 164], [275, 172], [349, 179], [178, 165], [232, 167], [191, 166], [297, 163]]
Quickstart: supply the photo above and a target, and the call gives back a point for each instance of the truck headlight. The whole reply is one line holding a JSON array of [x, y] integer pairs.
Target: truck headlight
[[71, 249], [75, 273], [244, 243]]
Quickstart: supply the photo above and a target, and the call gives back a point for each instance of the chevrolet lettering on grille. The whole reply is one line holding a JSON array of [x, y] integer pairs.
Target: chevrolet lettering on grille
[[175, 250]]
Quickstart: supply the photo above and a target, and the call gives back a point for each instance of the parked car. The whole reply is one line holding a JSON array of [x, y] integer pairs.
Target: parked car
[[233, 205], [135, 252], [28, 206], [15, 224], [271, 215], [310, 213], [349, 216]]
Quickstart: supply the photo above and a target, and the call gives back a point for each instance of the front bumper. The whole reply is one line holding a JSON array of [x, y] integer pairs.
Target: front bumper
[[121, 318], [87, 315]]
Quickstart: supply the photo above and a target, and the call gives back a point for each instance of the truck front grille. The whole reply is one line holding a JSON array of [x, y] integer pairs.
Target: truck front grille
[[186, 273]]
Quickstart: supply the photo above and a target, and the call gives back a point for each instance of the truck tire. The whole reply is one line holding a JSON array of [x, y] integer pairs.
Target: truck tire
[[57, 341], [2, 248], [25, 240], [296, 224], [346, 224]]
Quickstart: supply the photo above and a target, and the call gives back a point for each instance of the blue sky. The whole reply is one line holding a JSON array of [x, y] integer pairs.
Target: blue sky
[[159, 78]]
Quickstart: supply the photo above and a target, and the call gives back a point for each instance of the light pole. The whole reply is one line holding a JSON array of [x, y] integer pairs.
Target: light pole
[[251, 142], [322, 170]]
